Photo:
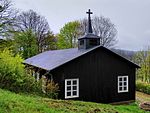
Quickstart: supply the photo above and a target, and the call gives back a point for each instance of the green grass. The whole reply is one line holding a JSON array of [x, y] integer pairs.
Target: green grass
[[22, 103]]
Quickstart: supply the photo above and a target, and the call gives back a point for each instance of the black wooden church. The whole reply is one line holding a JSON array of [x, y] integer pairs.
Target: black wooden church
[[90, 72]]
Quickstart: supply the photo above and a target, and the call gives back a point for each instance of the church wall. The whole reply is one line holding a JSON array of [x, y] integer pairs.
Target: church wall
[[97, 72]]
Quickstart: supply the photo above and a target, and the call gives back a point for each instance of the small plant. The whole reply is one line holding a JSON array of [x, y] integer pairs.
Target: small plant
[[143, 87]]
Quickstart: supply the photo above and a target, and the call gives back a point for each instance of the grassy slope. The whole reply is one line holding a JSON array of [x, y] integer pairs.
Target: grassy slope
[[20, 103]]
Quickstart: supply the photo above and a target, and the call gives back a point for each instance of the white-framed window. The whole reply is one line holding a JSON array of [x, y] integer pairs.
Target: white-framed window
[[33, 73], [122, 84], [71, 88], [37, 76]]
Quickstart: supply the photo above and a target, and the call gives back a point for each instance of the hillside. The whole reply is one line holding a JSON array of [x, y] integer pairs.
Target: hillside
[[21, 103], [125, 53]]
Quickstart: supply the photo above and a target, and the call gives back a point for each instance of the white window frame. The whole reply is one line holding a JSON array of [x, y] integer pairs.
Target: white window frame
[[33, 73], [122, 82], [37, 76], [71, 90]]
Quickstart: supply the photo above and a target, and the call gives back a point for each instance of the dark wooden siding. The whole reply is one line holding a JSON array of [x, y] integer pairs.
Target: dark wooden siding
[[98, 73]]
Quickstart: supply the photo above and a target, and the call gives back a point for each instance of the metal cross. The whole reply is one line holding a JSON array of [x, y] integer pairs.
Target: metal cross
[[89, 12], [89, 26]]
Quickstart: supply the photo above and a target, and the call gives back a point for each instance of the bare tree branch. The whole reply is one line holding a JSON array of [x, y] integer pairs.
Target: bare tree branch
[[102, 27], [37, 23], [7, 17]]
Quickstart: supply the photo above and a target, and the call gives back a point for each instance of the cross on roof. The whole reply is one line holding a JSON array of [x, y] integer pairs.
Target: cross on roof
[[89, 12], [89, 26]]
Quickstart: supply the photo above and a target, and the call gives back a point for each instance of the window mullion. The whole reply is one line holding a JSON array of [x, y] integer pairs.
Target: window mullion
[[71, 87]]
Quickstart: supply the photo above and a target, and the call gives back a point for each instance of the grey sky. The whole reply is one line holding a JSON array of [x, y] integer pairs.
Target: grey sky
[[131, 17]]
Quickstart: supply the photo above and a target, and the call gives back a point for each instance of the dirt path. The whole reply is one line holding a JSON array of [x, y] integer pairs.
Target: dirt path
[[142, 97]]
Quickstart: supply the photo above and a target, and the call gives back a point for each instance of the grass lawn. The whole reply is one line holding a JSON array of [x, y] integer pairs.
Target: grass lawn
[[21, 103]]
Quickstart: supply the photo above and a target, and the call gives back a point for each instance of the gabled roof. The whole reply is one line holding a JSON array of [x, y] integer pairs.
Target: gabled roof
[[50, 60]]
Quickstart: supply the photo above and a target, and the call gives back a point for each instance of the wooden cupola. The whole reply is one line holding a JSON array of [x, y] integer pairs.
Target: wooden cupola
[[89, 40]]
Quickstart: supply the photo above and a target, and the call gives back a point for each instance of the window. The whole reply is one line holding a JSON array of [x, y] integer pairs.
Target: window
[[71, 88], [81, 42], [93, 42], [33, 73], [37, 76], [122, 84]]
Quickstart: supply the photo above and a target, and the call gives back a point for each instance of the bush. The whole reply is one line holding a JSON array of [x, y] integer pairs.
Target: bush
[[13, 75], [51, 89], [143, 87]]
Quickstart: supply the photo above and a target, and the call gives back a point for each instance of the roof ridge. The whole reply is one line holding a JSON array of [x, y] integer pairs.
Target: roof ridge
[[51, 61]]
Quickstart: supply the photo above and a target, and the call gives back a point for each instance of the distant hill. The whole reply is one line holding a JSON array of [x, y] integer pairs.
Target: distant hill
[[125, 53]]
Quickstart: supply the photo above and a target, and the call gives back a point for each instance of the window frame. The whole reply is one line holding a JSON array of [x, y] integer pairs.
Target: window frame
[[122, 82], [71, 90]]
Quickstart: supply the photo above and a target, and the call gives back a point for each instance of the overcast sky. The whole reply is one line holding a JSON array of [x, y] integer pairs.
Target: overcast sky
[[131, 17]]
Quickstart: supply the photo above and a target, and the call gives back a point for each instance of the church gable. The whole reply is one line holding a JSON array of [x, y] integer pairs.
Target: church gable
[[96, 73]]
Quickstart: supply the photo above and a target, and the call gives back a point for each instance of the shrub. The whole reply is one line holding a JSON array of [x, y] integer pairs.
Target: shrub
[[51, 89], [143, 87], [13, 75]]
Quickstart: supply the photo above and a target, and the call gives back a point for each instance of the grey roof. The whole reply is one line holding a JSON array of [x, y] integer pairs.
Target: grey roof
[[50, 60], [89, 35]]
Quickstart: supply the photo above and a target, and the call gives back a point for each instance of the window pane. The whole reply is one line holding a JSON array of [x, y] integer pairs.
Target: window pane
[[68, 82], [68, 93], [81, 42], [120, 79], [125, 83], [120, 88], [120, 83], [74, 93], [74, 82], [93, 42], [74, 87], [125, 88], [68, 88], [125, 78]]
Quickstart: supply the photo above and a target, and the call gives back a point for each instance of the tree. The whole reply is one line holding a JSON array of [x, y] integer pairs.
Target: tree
[[67, 38], [50, 42], [13, 75], [102, 27], [6, 43], [25, 43], [7, 17], [11, 68], [143, 59], [30, 20]]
